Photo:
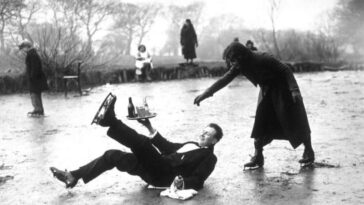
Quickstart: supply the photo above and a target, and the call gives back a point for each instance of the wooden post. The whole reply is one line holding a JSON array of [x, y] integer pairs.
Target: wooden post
[[124, 75]]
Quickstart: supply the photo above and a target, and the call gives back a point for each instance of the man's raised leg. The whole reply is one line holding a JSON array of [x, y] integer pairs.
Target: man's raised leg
[[140, 145]]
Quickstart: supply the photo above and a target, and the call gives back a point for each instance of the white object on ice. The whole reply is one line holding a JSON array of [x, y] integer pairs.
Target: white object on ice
[[181, 194], [156, 187]]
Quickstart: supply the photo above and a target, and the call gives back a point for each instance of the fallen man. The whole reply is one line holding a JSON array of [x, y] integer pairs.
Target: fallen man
[[156, 160]]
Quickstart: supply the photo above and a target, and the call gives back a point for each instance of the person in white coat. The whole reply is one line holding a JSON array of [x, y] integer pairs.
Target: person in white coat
[[143, 64]]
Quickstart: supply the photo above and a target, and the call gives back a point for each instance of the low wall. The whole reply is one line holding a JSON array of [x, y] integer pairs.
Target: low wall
[[89, 78]]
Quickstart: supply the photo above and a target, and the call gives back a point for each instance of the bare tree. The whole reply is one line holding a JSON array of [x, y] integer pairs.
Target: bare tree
[[125, 23], [135, 21], [8, 12], [24, 15], [218, 33], [273, 15], [177, 14], [58, 48], [112, 47], [92, 14], [146, 19], [264, 38], [350, 24], [65, 15]]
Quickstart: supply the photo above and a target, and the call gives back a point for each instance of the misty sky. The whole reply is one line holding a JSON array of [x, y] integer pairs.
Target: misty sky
[[295, 14]]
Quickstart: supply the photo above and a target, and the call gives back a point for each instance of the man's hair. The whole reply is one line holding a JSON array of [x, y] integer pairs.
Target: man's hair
[[141, 46], [218, 130], [25, 44], [249, 42]]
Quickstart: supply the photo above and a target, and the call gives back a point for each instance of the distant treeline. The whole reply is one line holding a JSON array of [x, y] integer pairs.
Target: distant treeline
[[116, 74], [64, 31]]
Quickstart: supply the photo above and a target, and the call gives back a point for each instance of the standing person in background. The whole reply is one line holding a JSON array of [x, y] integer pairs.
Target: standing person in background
[[36, 79], [249, 44], [143, 64], [188, 41], [280, 113]]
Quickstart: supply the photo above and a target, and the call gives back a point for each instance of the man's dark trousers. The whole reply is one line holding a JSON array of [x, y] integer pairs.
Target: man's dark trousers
[[145, 161]]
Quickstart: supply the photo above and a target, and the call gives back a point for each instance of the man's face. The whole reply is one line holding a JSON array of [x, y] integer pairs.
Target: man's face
[[142, 49], [207, 137], [25, 49]]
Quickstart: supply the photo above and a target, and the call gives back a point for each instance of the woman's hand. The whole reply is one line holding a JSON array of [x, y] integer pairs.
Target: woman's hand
[[199, 99]]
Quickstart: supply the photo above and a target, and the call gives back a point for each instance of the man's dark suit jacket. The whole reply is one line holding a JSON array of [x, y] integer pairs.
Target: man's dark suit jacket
[[194, 166]]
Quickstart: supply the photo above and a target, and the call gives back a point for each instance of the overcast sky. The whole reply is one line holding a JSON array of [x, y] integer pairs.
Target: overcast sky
[[297, 14], [293, 14]]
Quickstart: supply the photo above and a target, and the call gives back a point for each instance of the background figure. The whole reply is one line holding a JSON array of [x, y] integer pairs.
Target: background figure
[[188, 41], [143, 64], [36, 79], [249, 44]]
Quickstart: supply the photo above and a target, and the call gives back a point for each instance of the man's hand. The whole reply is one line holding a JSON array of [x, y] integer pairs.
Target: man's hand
[[146, 123], [296, 95], [178, 183], [199, 99]]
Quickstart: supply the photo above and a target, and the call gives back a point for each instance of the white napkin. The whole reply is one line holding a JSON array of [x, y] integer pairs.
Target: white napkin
[[179, 194]]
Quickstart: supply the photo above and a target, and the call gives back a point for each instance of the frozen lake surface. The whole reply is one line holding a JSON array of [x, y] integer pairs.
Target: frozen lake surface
[[65, 139]]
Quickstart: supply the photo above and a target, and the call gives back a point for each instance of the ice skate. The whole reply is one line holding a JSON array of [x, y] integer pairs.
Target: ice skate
[[257, 161], [35, 114], [308, 158], [64, 176], [106, 111]]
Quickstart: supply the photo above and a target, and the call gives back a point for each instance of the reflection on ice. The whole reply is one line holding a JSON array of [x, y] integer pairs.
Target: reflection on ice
[[65, 138]]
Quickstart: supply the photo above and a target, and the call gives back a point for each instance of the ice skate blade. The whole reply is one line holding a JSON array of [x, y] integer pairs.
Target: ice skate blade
[[307, 165], [36, 115], [252, 168]]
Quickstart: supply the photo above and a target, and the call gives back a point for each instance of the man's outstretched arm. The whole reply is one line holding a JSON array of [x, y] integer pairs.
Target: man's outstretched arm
[[162, 144]]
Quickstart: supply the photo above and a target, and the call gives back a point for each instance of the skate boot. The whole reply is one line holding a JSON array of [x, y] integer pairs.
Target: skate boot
[[105, 115], [64, 176], [256, 161], [36, 114], [308, 157]]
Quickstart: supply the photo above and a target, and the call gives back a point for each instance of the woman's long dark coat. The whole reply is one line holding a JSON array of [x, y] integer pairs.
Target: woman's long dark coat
[[36, 79], [277, 115], [188, 41]]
